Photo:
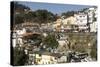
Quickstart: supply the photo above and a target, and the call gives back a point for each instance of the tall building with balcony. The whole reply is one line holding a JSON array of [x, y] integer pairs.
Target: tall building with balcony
[[81, 20], [92, 18]]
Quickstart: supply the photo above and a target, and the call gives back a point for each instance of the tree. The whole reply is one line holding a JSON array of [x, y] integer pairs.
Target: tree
[[30, 16], [22, 14], [19, 57], [43, 16], [50, 41], [18, 19], [39, 16], [20, 7], [68, 14]]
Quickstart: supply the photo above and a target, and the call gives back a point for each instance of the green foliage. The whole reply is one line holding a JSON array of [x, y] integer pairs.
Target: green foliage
[[84, 9], [19, 57], [50, 41], [19, 19], [19, 7], [30, 16], [68, 14], [40, 16]]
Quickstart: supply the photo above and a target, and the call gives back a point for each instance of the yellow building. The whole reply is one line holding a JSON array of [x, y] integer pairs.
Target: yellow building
[[45, 57], [69, 21], [66, 23], [57, 24]]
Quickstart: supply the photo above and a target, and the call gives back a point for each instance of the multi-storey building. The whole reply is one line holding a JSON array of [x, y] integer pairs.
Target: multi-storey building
[[70, 23], [92, 18], [66, 24], [17, 37], [81, 20], [57, 24]]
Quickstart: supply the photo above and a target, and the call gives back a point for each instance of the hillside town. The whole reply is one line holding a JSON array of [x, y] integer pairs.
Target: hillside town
[[64, 40]]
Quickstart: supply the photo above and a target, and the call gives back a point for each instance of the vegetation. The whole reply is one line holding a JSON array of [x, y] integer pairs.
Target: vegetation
[[40, 16], [79, 47], [19, 7], [20, 58], [68, 14], [93, 52], [19, 19], [50, 41], [79, 42]]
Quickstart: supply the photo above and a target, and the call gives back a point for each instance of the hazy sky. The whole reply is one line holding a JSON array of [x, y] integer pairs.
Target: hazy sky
[[54, 8]]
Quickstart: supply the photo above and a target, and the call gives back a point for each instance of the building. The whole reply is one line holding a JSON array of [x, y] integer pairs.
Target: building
[[93, 27], [31, 27], [17, 37], [92, 18], [14, 36], [69, 21], [69, 24], [63, 40], [44, 57], [81, 21], [47, 27], [57, 24], [66, 24]]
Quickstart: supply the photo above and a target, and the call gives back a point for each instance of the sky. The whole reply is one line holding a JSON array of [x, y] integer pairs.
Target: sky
[[54, 8]]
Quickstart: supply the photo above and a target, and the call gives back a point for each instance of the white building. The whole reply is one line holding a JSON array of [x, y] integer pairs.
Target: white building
[[81, 20], [17, 37], [93, 27], [62, 41], [92, 13], [20, 32], [92, 18], [14, 40]]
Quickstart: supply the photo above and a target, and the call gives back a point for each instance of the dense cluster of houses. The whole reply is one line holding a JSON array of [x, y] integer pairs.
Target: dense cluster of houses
[[81, 22], [85, 21]]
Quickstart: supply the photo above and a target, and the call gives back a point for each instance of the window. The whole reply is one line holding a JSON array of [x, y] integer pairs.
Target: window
[[95, 19], [48, 62], [40, 55], [80, 16], [81, 20], [83, 16]]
